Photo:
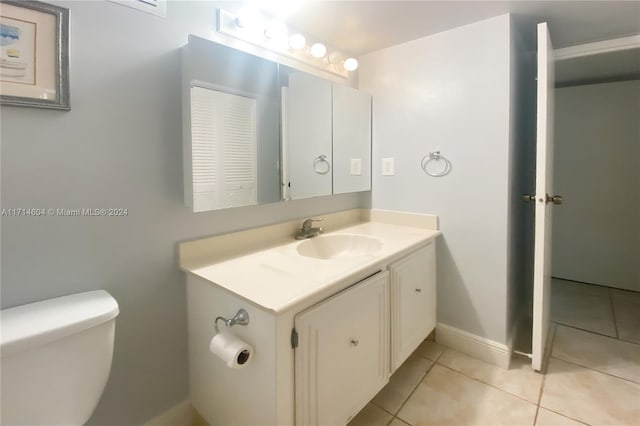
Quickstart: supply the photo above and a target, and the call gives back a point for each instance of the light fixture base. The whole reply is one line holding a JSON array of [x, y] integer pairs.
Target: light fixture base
[[227, 25]]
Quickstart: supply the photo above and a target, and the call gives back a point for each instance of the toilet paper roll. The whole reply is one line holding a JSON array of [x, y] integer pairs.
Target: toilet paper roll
[[233, 351]]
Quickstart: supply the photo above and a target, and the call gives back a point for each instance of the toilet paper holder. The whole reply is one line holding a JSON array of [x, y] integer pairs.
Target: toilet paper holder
[[240, 318]]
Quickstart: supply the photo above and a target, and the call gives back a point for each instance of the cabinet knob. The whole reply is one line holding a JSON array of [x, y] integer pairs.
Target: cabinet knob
[[418, 290], [354, 342]]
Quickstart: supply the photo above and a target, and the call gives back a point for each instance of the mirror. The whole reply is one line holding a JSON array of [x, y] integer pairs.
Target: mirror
[[259, 132], [326, 136], [351, 140], [306, 135], [231, 125]]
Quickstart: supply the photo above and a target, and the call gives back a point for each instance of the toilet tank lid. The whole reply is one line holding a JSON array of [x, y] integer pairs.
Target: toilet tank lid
[[35, 324]]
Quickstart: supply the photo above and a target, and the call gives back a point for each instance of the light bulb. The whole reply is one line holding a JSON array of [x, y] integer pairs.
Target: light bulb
[[318, 50], [297, 41], [276, 29], [350, 64]]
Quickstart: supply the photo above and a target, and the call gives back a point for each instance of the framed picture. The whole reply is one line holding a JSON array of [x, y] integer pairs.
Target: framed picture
[[34, 54]]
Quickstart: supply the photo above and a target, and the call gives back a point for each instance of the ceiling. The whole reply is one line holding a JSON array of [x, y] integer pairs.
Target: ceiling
[[359, 27], [617, 65]]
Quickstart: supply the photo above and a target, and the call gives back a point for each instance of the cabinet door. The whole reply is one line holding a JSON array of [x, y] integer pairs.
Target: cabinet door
[[308, 136], [413, 302], [342, 358]]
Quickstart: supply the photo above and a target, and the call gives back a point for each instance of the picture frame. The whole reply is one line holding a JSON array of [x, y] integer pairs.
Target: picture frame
[[34, 55]]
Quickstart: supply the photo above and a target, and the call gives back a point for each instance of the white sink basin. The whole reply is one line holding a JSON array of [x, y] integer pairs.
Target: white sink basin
[[338, 246]]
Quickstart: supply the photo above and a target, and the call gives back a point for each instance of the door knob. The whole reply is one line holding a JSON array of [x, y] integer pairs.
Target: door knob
[[555, 199], [527, 197]]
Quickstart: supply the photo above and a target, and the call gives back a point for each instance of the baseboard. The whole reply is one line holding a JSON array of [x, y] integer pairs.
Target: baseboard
[[478, 347], [178, 415]]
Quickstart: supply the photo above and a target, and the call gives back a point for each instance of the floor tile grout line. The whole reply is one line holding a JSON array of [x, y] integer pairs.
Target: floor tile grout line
[[488, 384], [397, 418], [580, 365], [544, 373], [433, 362], [583, 282], [583, 329], [637, 343], [613, 312], [568, 417], [551, 340], [381, 407], [413, 391], [597, 371], [544, 379], [595, 332]]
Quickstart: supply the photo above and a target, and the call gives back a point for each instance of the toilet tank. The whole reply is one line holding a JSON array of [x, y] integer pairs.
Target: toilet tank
[[55, 358]]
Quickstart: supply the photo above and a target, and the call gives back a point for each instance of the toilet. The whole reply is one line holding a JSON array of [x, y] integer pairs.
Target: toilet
[[55, 358]]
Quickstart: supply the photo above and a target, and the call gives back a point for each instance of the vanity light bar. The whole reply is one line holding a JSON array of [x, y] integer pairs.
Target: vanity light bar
[[274, 36]]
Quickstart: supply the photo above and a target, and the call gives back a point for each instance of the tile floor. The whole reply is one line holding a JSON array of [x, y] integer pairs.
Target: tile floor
[[593, 374]]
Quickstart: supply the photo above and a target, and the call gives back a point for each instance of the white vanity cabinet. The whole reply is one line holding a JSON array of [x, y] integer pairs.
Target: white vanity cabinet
[[342, 358], [326, 333], [413, 302]]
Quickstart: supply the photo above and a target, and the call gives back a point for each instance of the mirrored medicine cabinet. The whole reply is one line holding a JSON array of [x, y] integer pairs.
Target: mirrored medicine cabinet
[[255, 131]]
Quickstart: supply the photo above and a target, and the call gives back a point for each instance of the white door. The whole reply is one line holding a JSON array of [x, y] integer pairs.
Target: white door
[[543, 201]]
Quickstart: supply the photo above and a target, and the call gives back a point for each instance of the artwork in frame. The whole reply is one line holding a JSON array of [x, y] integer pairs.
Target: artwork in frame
[[34, 54]]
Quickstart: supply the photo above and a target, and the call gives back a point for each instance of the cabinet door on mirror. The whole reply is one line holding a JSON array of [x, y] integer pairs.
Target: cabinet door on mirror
[[342, 358], [231, 127], [351, 140], [307, 148], [413, 302]]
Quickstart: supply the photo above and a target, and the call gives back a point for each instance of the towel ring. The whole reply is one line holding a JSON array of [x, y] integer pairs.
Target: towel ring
[[318, 165], [435, 156]]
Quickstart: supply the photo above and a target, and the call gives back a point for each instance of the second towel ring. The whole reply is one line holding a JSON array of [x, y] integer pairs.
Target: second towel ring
[[317, 165], [435, 156]]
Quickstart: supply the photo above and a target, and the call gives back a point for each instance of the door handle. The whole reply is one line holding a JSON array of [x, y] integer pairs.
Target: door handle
[[555, 199]]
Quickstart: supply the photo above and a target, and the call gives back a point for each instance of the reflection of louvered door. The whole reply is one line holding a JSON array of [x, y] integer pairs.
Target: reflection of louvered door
[[224, 146]]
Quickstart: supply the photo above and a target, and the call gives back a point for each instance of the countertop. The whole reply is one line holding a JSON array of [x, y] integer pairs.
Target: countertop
[[278, 278]]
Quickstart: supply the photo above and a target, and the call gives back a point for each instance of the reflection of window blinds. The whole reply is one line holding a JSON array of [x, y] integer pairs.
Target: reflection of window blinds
[[224, 144]]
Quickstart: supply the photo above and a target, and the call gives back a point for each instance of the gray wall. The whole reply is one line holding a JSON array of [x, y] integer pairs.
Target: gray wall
[[119, 146], [597, 170], [451, 92], [522, 154]]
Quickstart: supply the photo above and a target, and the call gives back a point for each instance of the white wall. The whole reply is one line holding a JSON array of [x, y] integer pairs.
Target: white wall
[[119, 146], [451, 92], [596, 232]]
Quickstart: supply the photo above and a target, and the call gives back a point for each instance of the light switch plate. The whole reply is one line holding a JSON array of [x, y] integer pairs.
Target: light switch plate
[[388, 166], [356, 167]]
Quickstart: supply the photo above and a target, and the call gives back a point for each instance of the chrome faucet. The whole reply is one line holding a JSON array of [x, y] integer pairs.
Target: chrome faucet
[[307, 231]]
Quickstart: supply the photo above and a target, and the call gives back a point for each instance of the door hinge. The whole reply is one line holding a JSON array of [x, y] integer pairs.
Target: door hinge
[[294, 338]]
